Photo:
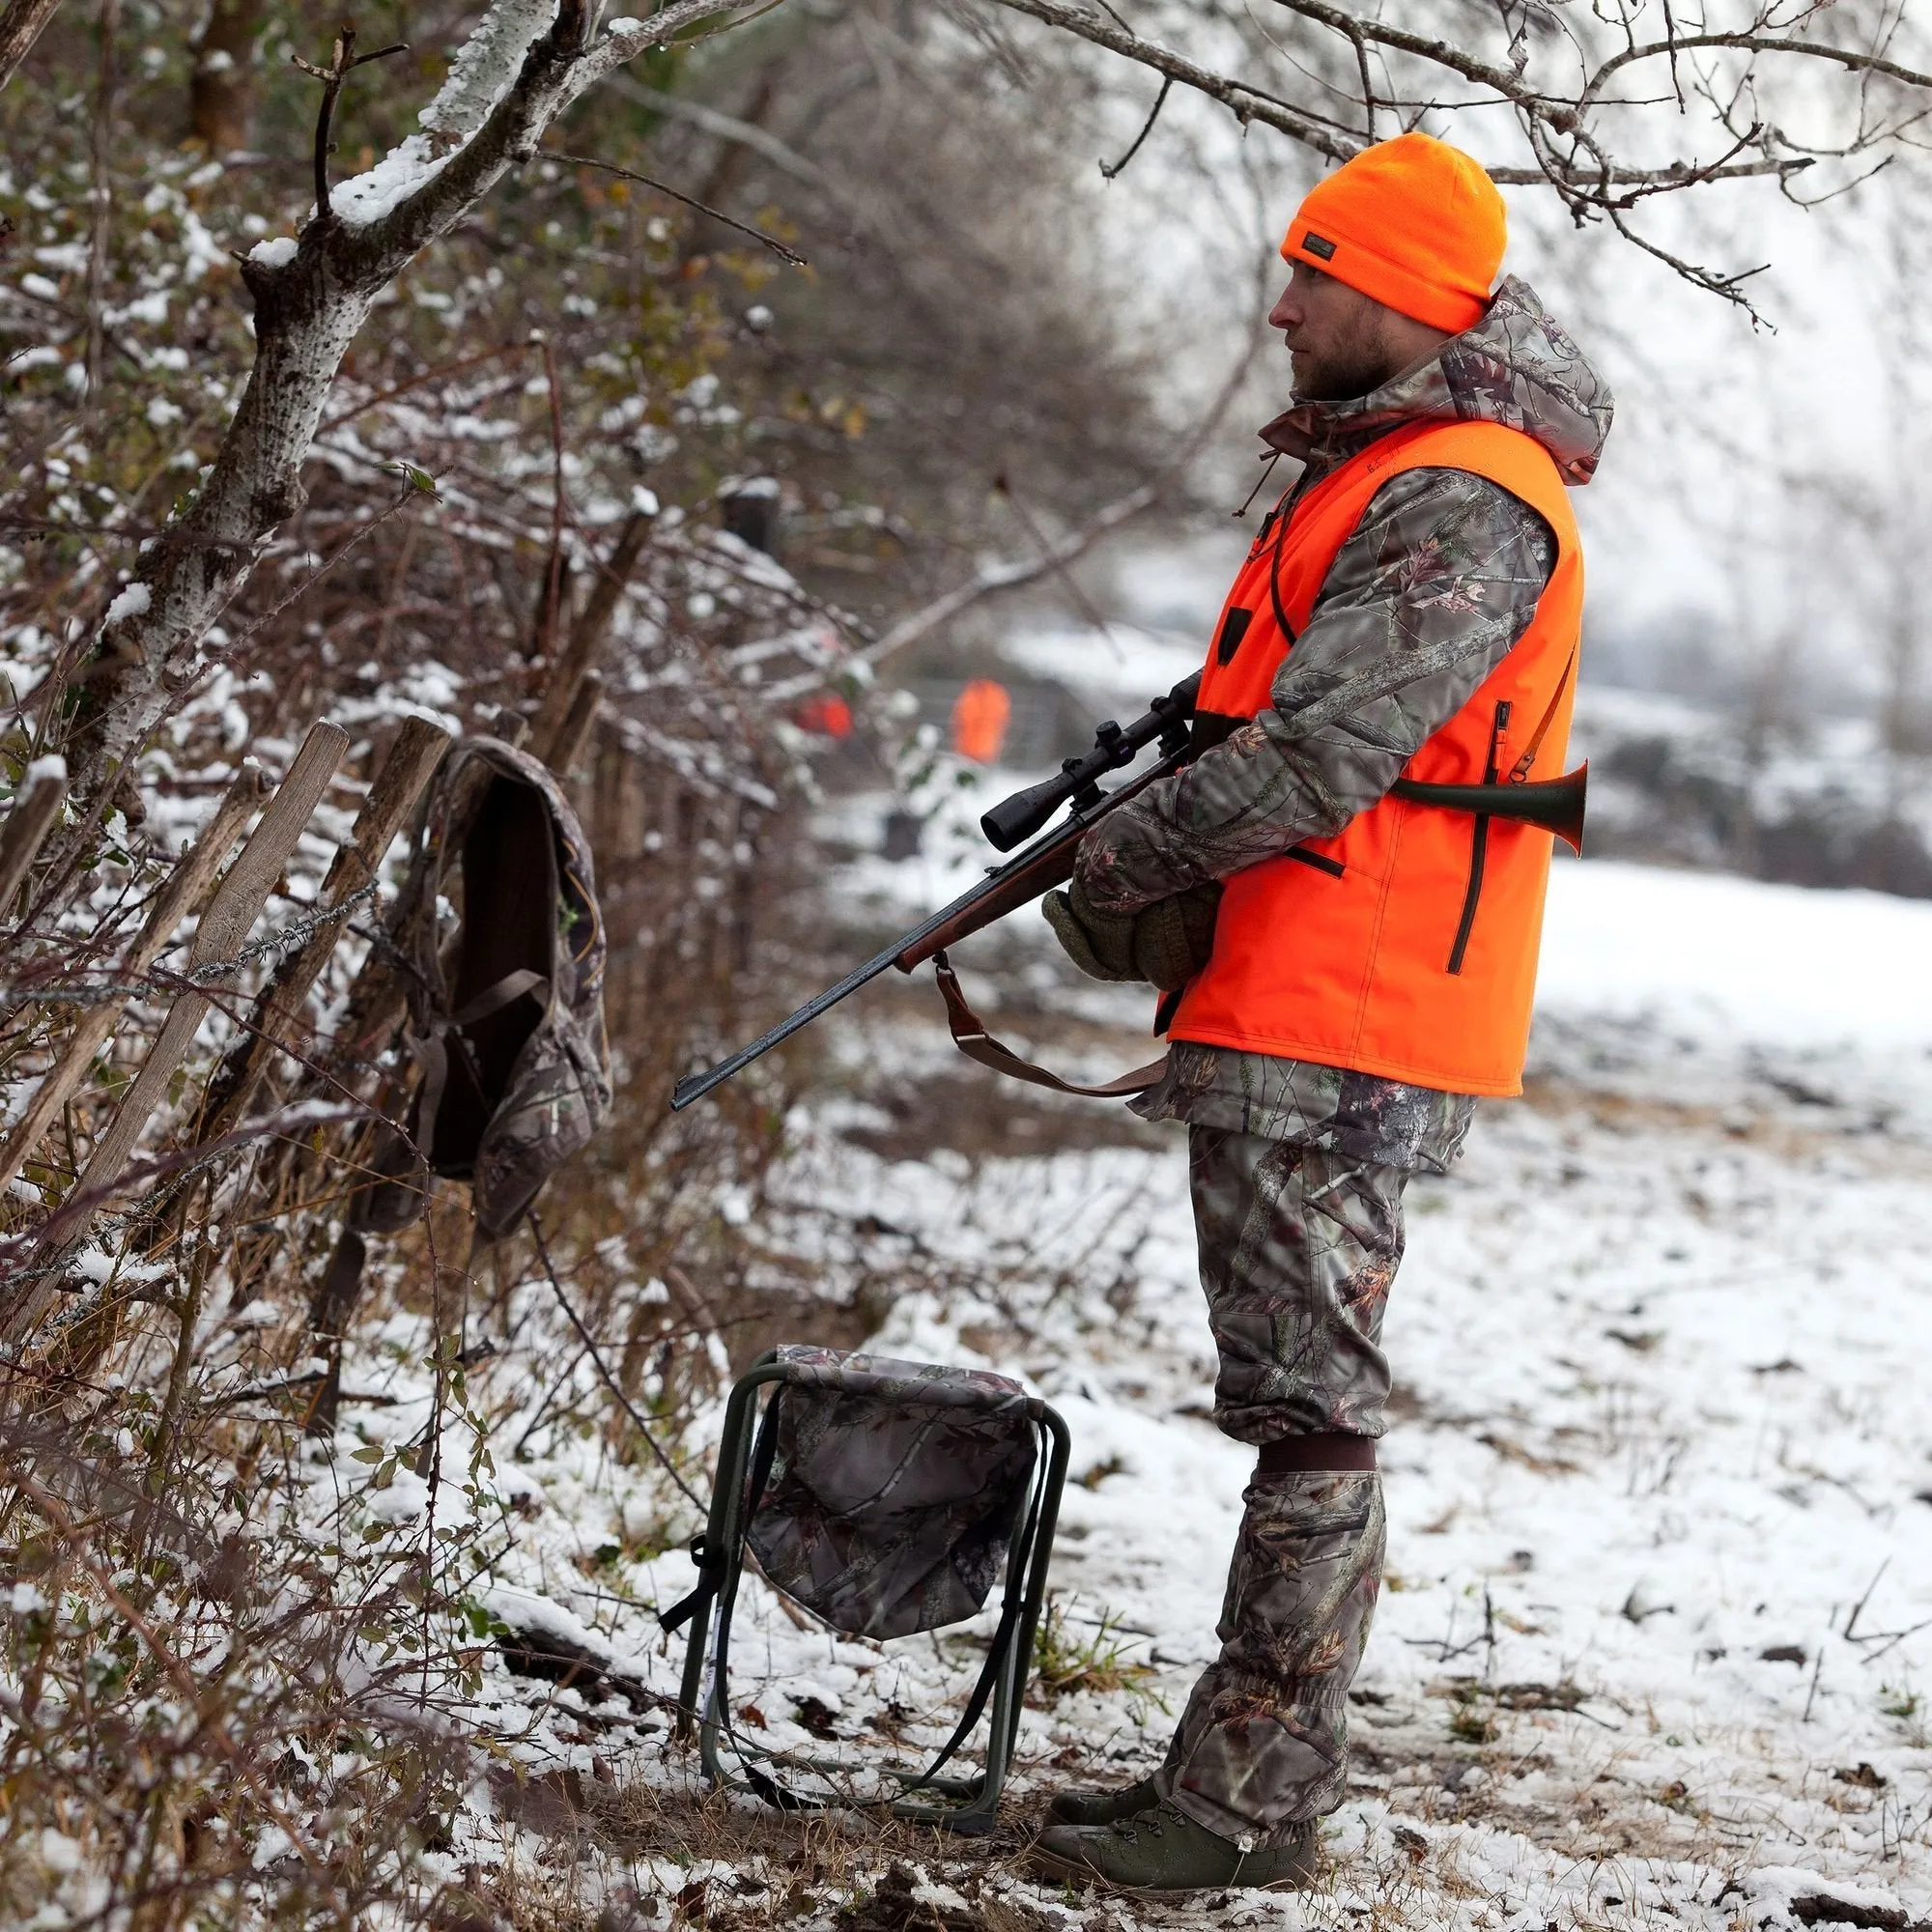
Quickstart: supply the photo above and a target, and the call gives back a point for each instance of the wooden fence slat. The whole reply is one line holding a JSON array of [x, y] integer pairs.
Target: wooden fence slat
[[586, 639], [36, 806], [244, 891], [237, 904], [194, 874], [418, 749], [576, 726]]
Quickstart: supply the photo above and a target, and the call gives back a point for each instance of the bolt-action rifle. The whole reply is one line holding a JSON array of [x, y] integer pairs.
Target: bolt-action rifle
[[1169, 725]]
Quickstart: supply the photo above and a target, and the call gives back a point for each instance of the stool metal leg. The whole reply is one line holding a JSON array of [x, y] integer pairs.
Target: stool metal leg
[[723, 1555], [975, 1816]]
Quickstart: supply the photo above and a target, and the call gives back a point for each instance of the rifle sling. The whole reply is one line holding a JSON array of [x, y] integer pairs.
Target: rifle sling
[[971, 1038]]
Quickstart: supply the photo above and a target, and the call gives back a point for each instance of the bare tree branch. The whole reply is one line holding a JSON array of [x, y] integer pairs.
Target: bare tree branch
[[1010, 574], [1561, 124], [1560, 112], [1245, 103], [20, 27]]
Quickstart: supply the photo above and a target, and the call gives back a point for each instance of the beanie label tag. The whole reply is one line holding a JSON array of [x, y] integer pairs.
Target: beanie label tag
[[1317, 244]]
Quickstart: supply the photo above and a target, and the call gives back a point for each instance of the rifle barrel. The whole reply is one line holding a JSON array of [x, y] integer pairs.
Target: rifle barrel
[[694, 1085], [909, 948]]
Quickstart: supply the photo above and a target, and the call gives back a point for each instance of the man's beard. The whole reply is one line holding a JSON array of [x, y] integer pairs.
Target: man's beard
[[1341, 378]]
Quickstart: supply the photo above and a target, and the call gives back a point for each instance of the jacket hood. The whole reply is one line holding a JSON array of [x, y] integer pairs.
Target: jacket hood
[[1516, 367]]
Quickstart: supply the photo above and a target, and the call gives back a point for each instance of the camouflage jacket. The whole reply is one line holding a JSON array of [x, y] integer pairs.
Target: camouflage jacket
[[1438, 581]]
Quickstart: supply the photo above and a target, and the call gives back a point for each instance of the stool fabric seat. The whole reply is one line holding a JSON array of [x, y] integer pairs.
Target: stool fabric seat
[[892, 1489]]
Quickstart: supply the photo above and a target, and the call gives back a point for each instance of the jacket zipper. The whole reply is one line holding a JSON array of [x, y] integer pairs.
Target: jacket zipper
[[1479, 842]]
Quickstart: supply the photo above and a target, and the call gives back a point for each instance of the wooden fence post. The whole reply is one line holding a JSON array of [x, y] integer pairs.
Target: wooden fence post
[[418, 749]]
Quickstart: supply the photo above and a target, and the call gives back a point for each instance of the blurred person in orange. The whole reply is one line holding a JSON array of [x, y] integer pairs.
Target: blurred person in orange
[[981, 715]]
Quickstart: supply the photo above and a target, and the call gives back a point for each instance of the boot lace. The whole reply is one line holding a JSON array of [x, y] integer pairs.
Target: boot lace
[[1135, 1823]]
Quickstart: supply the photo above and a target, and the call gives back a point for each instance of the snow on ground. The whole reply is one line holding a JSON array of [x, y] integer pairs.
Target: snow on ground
[[1657, 1638]]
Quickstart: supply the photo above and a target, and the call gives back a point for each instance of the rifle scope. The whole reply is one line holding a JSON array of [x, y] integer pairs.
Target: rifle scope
[[1015, 819]]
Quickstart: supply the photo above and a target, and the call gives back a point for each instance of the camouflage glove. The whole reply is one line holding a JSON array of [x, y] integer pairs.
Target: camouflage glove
[[1164, 944]]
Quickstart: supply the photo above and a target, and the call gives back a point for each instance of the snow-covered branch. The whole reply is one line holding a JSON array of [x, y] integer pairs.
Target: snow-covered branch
[[525, 62]]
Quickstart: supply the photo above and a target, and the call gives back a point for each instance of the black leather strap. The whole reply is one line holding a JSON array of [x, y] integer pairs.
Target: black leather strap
[[1292, 1454]]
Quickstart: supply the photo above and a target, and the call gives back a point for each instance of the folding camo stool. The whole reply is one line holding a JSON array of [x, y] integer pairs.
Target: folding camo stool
[[884, 1496]]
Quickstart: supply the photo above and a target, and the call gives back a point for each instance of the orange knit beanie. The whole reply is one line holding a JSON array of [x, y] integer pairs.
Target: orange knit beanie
[[1412, 222]]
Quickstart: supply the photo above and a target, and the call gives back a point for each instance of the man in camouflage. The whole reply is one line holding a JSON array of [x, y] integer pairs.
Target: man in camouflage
[[1297, 1168]]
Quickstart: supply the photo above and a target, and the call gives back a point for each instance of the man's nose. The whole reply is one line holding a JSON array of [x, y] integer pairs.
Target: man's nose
[[1286, 312]]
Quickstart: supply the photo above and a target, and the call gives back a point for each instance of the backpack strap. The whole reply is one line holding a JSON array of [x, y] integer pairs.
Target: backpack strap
[[432, 1050], [494, 998]]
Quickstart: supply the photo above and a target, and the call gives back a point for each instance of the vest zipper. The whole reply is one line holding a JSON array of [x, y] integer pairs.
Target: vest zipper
[[1479, 842]]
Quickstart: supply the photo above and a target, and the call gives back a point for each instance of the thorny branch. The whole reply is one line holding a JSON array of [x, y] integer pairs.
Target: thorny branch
[[1010, 575], [770, 242]]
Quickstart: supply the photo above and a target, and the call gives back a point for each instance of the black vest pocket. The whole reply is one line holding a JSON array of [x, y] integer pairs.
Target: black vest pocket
[[1233, 628], [1321, 861]]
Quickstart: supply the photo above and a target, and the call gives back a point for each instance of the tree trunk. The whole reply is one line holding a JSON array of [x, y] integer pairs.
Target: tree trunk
[[21, 27], [308, 310]]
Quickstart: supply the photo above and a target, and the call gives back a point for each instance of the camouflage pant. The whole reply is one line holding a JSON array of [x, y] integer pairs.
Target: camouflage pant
[[1297, 1250]]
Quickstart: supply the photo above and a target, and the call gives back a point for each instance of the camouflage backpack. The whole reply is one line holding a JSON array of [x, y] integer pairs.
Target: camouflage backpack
[[506, 1021], [510, 1031]]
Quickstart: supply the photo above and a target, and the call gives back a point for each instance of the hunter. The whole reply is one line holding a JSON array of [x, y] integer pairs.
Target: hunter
[[1344, 972]]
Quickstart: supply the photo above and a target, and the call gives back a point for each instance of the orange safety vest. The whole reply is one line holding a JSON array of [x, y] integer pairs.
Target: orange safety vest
[[1407, 944]]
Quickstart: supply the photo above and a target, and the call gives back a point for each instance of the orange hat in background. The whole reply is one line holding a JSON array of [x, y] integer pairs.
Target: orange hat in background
[[1413, 223], [828, 713]]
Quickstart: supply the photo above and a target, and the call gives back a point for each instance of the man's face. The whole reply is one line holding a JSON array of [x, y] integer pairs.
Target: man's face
[[1338, 338]]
